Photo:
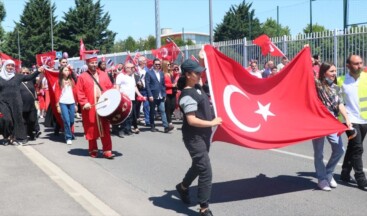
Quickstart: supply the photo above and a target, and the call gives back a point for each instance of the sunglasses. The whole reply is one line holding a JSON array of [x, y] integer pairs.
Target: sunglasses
[[176, 69], [157, 64], [25, 73]]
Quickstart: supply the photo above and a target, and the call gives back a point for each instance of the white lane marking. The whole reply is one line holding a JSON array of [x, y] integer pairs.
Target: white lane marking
[[303, 156], [80, 194]]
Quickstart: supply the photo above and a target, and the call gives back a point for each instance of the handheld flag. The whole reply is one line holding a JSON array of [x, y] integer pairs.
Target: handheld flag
[[46, 59], [82, 50], [267, 46]]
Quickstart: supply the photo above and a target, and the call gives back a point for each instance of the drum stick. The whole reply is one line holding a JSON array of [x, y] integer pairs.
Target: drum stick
[[105, 99]]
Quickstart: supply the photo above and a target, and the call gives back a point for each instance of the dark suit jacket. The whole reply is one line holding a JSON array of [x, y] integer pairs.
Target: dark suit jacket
[[153, 86]]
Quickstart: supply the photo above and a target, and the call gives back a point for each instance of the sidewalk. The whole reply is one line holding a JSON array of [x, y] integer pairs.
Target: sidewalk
[[26, 190]]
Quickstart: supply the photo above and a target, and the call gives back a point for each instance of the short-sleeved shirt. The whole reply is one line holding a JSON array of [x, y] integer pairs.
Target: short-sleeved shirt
[[127, 85]]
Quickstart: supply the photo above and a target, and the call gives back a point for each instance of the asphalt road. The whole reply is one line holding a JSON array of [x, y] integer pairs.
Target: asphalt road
[[48, 177]]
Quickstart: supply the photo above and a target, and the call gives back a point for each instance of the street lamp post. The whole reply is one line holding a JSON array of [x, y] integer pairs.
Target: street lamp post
[[18, 45], [52, 28], [311, 15], [210, 23]]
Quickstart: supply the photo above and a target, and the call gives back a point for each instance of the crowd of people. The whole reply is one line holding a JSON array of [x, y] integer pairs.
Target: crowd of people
[[345, 98], [160, 91]]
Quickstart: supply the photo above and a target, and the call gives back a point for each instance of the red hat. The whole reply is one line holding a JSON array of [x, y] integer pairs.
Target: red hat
[[91, 55]]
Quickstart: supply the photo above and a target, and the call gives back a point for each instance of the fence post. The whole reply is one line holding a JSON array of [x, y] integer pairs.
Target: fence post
[[244, 61], [335, 48], [284, 39], [186, 52]]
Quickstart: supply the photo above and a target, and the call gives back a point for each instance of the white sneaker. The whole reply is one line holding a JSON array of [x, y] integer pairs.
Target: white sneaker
[[332, 181], [68, 142], [324, 185]]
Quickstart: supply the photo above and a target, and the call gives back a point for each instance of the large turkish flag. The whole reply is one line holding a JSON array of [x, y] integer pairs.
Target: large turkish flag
[[267, 113]]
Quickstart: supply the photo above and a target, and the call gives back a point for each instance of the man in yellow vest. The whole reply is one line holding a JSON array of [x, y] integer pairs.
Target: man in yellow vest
[[354, 91]]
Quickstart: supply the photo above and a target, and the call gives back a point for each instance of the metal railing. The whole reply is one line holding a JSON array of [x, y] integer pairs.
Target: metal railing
[[333, 46]]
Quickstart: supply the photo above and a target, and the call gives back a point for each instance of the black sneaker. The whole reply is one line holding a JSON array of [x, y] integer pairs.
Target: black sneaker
[[347, 178], [153, 129], [168, 129], [207, 212], [38, 133], [184, 194], [20, 142], [362, 184]]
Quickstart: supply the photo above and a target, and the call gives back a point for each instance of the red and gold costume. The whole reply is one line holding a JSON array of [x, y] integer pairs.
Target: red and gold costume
[[94, 126]]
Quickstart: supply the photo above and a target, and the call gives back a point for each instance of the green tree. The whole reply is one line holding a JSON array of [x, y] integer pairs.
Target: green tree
[[2, 17], [272, 29], [237, 23], [86, 21], [34, 30], [118, 46], [150, 43], [315, 28], [130, 44]]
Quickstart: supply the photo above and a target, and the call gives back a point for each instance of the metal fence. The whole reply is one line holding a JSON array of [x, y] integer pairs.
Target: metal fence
[[332, 46]]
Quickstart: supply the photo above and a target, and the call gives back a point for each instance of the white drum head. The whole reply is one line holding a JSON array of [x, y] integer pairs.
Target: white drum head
[[108, 102]]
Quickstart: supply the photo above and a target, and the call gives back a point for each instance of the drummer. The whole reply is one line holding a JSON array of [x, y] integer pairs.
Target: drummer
[[90, 86]]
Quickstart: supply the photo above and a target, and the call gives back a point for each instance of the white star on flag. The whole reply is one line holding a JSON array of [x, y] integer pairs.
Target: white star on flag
[[264, 110]]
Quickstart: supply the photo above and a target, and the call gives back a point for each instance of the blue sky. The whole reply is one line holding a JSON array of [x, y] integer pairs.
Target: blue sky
[[136, 18]]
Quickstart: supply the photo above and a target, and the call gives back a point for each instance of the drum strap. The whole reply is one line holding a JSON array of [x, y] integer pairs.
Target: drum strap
[[95, 81], [99, 125]]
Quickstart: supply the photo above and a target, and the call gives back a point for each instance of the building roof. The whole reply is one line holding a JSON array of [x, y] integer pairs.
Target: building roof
[[180, 33]]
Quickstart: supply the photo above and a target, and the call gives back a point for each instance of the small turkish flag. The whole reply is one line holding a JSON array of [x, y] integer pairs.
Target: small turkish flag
[[82, 50], [267, 46], [46, 59], [168, 52], [267, 113]]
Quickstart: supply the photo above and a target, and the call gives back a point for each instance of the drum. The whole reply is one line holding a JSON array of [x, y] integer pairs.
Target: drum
[[114, 106]]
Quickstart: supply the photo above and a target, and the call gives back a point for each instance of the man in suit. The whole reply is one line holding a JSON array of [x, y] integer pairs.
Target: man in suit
[[156, 91]]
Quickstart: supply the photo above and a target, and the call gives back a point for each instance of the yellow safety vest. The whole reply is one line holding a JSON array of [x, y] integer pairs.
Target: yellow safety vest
[[362, 93]]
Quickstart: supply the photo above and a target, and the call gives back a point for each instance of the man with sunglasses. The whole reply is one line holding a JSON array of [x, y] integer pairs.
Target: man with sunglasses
[[156, 91]]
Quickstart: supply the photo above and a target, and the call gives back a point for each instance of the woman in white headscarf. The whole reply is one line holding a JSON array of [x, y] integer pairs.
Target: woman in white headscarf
[[10, 82]]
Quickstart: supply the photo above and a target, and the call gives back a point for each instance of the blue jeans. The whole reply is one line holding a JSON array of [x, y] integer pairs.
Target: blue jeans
[[67, 115], [160, 104], [337, 152], [146, 108]]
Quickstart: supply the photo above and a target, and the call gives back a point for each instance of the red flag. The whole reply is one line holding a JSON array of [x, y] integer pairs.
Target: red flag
[[136, 58], [129, 59], [52, 77], [18, 63], [149, 63], [46, 59], [82, 50], [267, 46], [169, 51], [192, 57], [267, 113]]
